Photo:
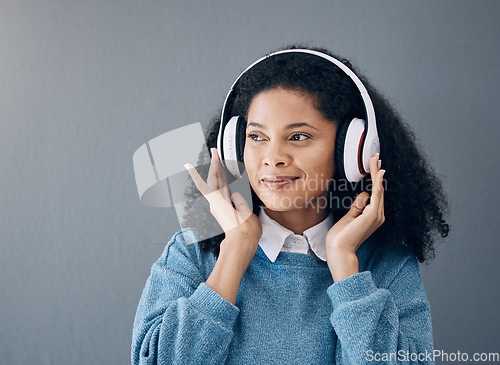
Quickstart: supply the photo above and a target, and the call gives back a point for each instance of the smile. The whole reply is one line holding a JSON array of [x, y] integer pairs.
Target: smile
[[278, 182]]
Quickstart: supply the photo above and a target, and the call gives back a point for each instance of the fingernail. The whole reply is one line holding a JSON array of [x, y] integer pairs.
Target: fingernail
[[379, 163], [187, 166]]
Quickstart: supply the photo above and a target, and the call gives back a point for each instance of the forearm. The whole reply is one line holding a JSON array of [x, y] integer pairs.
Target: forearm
[[231, 265], [369, 320], [342, 264], [226, 277], [195, 330]]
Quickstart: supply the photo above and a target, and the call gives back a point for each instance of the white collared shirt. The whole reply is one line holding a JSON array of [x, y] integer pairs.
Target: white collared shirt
[[276, 238]]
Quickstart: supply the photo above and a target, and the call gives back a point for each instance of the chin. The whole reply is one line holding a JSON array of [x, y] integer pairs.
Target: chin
[[277, 208], [281, 204]]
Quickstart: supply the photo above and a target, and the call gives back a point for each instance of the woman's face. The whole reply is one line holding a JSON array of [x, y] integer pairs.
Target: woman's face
[[289, 150]]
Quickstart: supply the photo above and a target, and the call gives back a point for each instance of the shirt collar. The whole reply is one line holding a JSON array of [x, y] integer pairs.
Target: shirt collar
[[274, 235]]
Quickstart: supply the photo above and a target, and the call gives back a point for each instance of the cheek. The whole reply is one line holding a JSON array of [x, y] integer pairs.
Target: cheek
[[321, 171], [330, 171], [329, 164], [321, 163], [250, 160], [329, 160]]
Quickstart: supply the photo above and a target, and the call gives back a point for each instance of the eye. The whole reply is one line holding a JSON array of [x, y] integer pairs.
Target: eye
[[299, 137], [254, 137]]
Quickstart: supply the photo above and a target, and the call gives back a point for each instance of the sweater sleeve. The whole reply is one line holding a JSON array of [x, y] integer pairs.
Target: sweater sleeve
[[179, 319], [382, 325]]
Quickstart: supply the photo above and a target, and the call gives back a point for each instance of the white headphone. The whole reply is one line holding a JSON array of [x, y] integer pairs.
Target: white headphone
[[356, 141]]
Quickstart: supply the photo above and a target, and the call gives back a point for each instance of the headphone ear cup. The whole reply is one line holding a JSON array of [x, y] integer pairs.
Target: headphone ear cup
[[339, 149], [241, 132], [350, 148], [233, 145]]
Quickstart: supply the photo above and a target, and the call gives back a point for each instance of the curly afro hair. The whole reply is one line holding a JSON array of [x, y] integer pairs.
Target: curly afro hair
[[414, 202]]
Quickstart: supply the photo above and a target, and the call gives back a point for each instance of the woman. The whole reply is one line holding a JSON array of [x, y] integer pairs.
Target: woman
[[300, 276]]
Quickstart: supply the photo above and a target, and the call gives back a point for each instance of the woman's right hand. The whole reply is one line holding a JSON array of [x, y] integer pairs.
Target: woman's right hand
[[240, 225], [242, 228]]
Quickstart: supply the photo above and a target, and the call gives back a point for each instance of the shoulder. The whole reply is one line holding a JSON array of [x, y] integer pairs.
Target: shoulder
[[184, 252], [388, 262], [184, 242]]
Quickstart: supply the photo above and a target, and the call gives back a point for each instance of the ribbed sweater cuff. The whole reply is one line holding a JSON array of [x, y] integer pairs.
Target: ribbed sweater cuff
[[211, 303], [352, 288]]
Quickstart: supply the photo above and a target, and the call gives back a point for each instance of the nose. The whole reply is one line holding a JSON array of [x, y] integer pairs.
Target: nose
[[276, 155]]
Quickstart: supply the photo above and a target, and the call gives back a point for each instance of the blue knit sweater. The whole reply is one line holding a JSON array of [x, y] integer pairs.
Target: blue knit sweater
[[287, 312]]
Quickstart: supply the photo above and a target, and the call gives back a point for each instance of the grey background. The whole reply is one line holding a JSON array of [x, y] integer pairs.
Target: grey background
[[85, 83]]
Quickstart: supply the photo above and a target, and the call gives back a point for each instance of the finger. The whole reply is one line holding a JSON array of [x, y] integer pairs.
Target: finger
[[228, 216], [377, 190], [201, 185], [221, 209], [216, 176], [358, 205], [374, 165], [212, 174], [381, 203], [221, 175], [240, 203]]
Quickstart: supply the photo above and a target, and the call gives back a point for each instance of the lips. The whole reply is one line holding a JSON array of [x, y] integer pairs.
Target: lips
[[278, 182]]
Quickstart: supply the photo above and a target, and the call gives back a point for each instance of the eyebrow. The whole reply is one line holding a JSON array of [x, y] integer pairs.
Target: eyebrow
[[290, 126]]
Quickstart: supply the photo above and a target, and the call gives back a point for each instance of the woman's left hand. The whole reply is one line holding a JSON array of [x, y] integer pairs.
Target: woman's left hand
[[345, 237]]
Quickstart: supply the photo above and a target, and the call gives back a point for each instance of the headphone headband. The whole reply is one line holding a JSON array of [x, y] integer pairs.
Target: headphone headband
[[368, 149]]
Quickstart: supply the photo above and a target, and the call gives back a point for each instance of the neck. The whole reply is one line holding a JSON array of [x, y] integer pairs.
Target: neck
[[298, 220]]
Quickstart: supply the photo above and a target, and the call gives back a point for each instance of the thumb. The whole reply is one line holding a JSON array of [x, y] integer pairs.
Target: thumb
[[240, 204], [358, 205]]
